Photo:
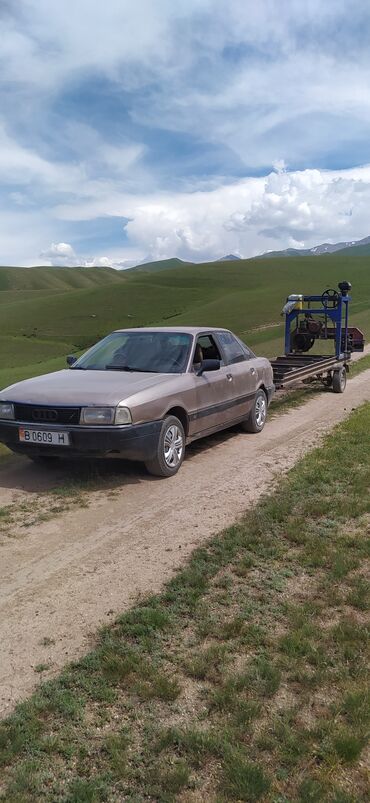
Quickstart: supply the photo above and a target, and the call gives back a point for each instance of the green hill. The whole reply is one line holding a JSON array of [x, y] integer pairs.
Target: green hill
[[46, 278], [161, 264], [356, 250], [47, 312]]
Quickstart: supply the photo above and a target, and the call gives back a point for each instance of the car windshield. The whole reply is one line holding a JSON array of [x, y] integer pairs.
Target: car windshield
[[152, 352]]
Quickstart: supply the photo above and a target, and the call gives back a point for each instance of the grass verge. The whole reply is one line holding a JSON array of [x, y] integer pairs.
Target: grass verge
[[361, 365], [246, 679]]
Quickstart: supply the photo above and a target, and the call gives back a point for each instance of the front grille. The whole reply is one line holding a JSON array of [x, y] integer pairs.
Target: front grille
[[33, 414]]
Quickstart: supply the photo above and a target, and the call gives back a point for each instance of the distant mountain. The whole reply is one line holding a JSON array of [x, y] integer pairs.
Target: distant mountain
[[228, 258], [161, 264], [359, 247]]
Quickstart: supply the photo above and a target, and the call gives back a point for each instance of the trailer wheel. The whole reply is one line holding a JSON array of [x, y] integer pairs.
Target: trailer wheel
[[339, 380], [327, 380]]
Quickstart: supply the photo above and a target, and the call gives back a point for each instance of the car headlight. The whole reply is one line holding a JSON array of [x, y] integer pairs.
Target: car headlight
[[6, 410], [123, 416], [97, 415]]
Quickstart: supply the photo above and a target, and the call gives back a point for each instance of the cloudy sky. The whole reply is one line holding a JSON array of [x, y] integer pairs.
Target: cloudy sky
[[143, 130]]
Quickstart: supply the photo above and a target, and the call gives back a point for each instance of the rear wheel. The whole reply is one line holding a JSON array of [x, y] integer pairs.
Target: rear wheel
[[339, 380], [170, 449], [257, 417]]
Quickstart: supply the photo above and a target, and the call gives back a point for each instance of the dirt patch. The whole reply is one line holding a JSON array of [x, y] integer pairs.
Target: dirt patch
[[73, 573]]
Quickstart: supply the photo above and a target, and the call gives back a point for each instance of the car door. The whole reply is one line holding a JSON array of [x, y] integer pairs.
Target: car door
[[240, 366], [213, 390]]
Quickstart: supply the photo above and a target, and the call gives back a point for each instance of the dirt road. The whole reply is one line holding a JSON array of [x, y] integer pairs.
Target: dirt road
[[63, 578]]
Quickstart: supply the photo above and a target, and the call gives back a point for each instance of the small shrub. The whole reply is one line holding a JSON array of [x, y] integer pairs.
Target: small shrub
[[244, 780], [348, 746]]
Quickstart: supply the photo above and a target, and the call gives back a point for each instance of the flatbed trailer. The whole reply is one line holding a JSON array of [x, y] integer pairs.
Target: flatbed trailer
[[292, 368], [304, 325]]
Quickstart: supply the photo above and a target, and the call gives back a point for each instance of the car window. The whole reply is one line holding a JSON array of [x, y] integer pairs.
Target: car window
[[152, 352], [247, 351], [206, 349], [233, 349]]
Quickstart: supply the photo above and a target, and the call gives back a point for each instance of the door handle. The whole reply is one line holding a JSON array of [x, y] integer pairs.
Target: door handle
[[253, 370], [229, 377]]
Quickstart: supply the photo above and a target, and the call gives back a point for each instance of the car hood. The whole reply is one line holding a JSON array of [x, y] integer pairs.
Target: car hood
[[82, 388]]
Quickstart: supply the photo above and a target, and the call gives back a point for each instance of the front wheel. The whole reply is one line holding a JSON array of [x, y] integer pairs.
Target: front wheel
[[258, 414], [170, 449], [339, 380]]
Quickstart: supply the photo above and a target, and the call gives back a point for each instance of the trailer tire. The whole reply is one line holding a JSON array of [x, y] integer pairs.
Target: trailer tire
[[339, 380], [257, 416]]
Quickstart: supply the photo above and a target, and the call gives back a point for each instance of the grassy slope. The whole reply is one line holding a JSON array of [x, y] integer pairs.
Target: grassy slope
[[246, 679], [162, 264], [25, 351], [65, 306], [357, 250], [55, 279]]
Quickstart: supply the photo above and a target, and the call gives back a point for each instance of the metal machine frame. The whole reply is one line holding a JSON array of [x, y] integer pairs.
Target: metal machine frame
[[296, 364], [338, 315]]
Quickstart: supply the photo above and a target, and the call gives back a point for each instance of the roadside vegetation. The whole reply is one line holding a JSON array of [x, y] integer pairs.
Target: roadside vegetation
[[245, 679], [361, 365]]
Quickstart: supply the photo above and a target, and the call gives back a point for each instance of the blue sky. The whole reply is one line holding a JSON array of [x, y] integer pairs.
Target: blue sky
[[191, 129]]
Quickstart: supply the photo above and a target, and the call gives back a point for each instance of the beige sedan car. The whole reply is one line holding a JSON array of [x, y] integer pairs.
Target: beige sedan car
[[139, 394]]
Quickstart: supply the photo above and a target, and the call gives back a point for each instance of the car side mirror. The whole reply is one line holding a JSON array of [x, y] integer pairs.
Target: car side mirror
[[71, 359], [208, 365]]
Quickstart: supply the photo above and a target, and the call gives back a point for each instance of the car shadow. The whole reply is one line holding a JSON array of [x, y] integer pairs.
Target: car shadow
[[19, 473], [203, 445]]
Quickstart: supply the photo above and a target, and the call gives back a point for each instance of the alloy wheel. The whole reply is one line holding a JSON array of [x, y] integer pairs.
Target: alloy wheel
[[261, 410], [173, 446]]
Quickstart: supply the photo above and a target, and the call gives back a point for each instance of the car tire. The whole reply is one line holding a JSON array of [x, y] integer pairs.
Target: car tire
[[258, 414], [339, 380], [169, 457]]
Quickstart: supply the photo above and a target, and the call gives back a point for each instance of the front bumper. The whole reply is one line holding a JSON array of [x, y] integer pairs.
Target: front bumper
[[131, 442]]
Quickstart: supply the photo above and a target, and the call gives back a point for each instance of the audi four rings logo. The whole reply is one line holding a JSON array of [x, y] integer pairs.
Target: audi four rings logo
[[44, 415]]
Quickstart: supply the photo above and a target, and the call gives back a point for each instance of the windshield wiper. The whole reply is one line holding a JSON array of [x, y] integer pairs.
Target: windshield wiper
[[129, 368]]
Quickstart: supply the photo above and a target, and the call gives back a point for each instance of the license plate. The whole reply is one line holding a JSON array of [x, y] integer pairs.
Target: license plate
[[43, 437]]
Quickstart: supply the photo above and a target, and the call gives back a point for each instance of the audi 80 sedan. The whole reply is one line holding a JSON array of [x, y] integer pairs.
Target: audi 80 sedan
[[139, 394]]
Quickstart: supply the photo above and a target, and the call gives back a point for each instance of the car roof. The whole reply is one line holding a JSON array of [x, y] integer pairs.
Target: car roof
[[191, 330]]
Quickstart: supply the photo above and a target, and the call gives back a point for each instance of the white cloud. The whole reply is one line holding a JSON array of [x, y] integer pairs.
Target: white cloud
[[298, 67], [63, 255], [249, 216], [80, 35], [253, 215]]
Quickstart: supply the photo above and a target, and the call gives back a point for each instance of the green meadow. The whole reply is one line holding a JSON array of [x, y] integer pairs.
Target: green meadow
[[46, 313]]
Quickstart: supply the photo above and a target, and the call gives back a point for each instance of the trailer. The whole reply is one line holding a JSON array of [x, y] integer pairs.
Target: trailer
[[312, 318]]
